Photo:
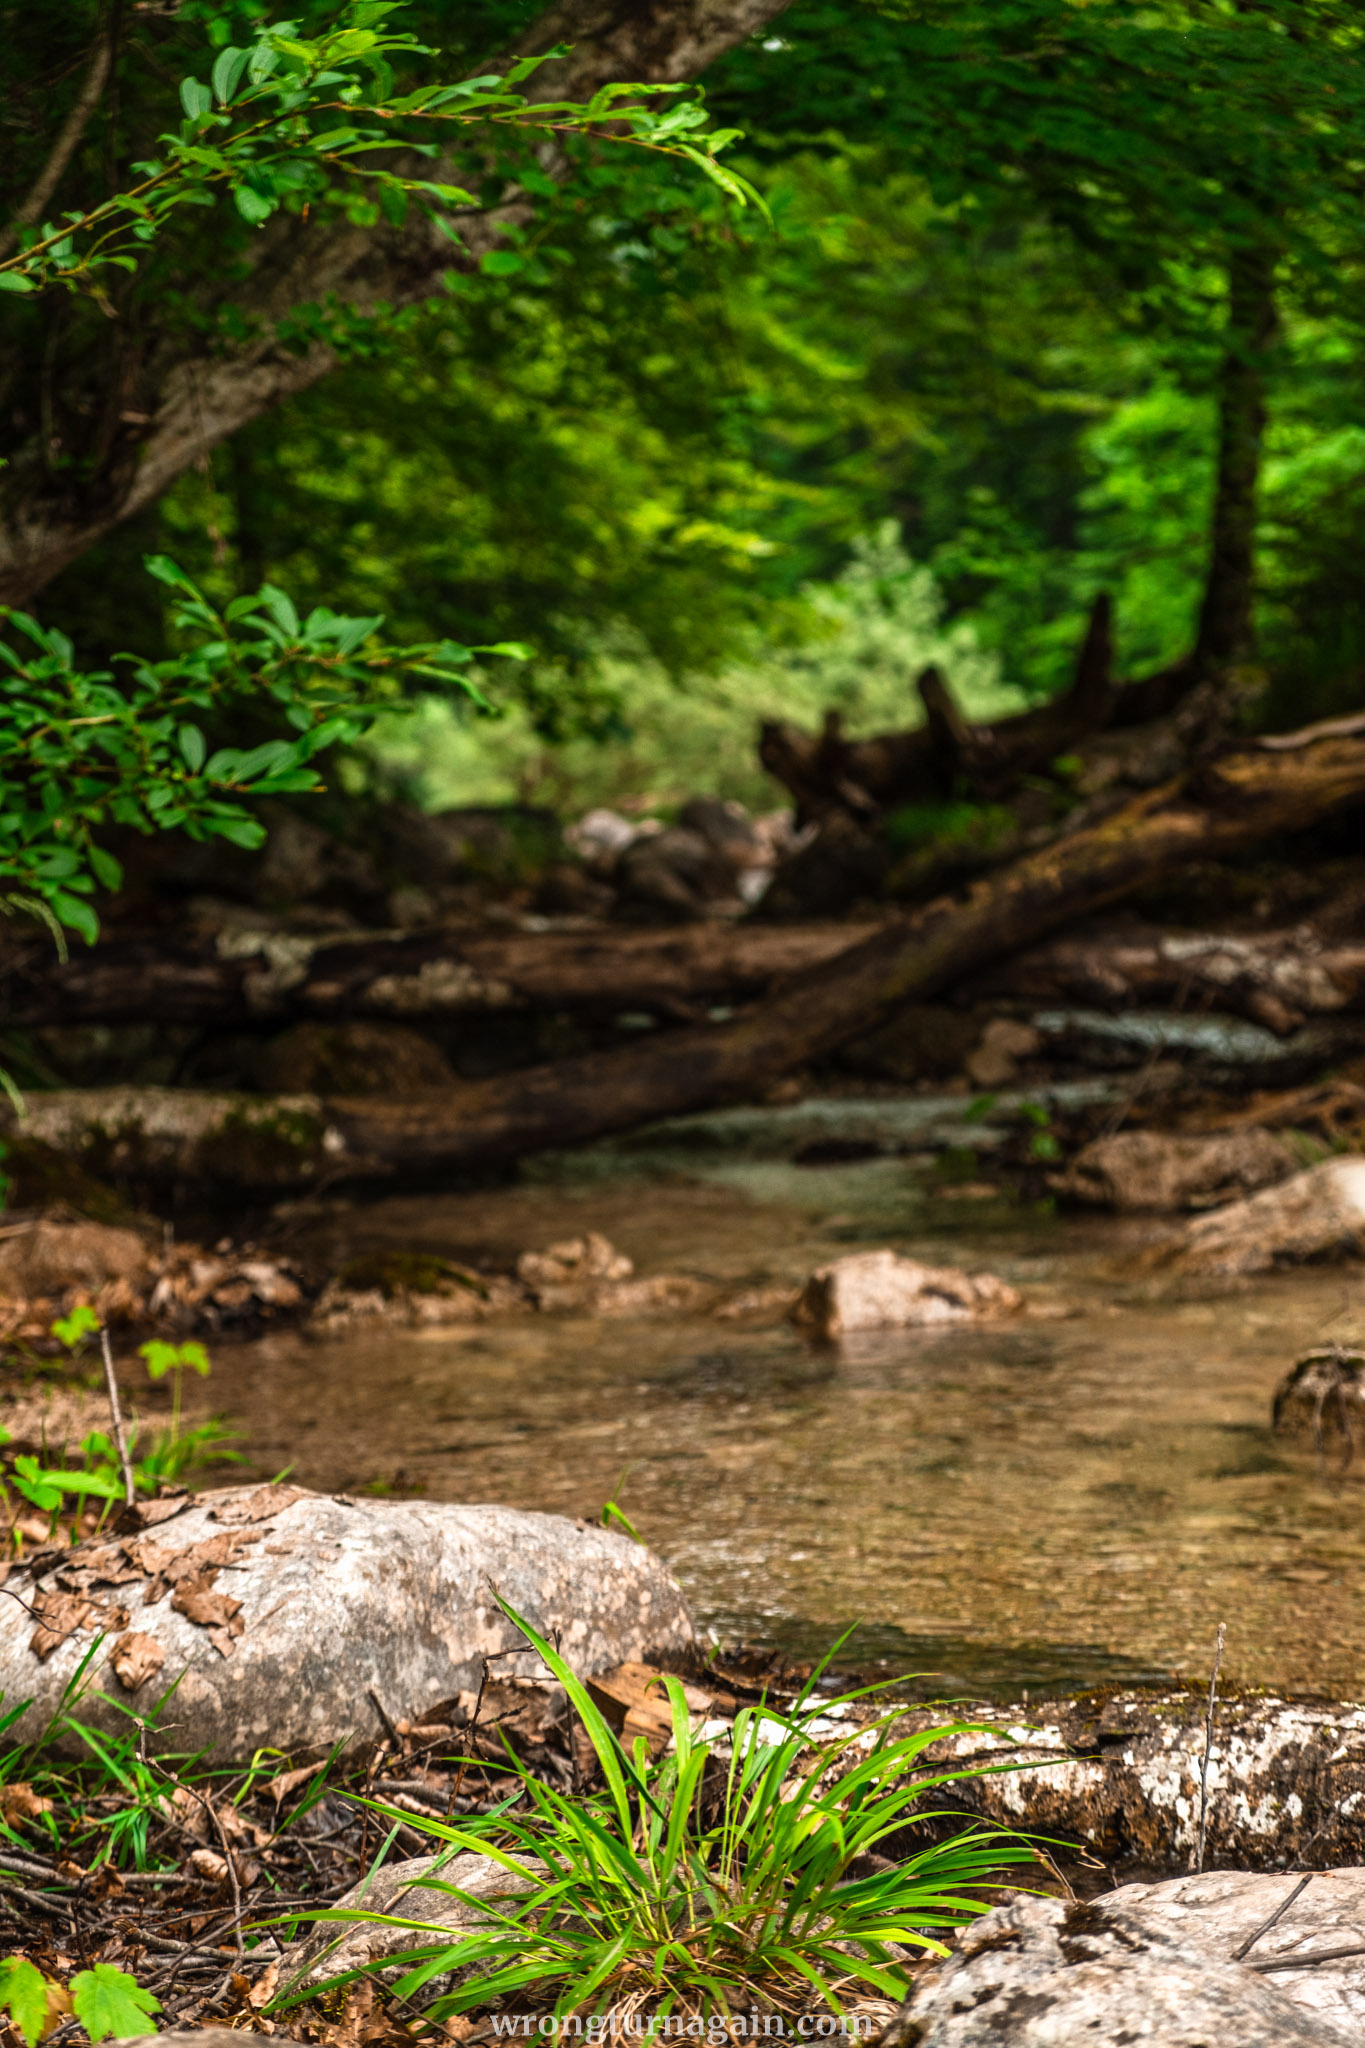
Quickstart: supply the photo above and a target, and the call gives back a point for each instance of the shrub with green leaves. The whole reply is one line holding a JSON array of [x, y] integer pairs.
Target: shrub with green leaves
[[716, 1878], [81, 750]]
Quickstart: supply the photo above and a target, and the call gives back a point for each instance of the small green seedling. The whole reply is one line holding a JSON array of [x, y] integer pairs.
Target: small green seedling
[[108, 2001], [23, 1995], [74, 1329], [1044, 1143], [174, 1358]]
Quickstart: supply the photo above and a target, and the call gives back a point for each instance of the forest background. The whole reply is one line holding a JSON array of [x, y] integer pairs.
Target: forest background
[[712, 466]]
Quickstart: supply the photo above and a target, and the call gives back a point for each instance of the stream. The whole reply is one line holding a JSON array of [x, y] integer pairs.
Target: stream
[[1076, 1498]]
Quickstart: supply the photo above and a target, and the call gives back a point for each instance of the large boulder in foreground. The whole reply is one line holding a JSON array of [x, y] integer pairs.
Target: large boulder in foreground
[[281, 1612], [1150, 1963], [882, 1291], [1315, 1215]]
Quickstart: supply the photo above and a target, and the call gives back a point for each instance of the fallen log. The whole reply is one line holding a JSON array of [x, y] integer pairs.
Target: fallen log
[[250, 976], [1268, 786], [946, 754], [1276, 978]]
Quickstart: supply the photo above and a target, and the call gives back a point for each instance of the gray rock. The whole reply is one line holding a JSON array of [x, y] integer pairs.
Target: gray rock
[[1220, 1910], [398, 1889], [1039, 1973], [1314, 1215], [1134, 1170], [279, 1611], [185, 2037], [882, 1291]]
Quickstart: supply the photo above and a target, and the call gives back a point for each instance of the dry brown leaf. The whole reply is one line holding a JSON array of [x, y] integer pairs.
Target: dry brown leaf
[[209, 1865], [289, 1781], [136, 1658], [263, 1990], [207, 1609], [20, 1802], [61, 1614], [260, 1505], [145, 1514]]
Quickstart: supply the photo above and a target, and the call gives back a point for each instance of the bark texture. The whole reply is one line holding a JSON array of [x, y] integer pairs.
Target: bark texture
[[186, 393], [1268, 787], [1120, 1771], [264, 976], [1226, 636]]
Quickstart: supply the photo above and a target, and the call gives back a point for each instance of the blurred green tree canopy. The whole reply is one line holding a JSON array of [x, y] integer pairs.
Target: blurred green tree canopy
[[992, 308]]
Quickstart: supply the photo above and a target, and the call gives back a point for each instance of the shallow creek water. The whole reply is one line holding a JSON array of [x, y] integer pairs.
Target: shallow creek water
[[1072, 1498]]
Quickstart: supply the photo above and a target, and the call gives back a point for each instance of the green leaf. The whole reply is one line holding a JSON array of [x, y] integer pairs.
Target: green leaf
[[243, 831], [262, 61], [260, 761], [15, 281], [167, 571], [160, 1357], [23, 1995], [35, 1485], [82, 1322], [195, 98], [253, 206], [502, 263], [108, 2001], [227, 72], [192, 746], [75, 915], [280, 607]]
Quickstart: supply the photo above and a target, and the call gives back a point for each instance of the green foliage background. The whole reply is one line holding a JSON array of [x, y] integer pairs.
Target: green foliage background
[[977, 347]]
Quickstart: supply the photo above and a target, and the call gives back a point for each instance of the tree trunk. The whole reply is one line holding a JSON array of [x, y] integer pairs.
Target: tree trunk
[[427, 977], [1226, 636], [1269, 786], [193, 389]]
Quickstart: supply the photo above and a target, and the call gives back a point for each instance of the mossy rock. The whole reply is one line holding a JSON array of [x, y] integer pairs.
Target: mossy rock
[[398, 1273]]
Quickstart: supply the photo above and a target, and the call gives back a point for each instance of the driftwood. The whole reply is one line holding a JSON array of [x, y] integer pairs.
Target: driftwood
[[1276, 978], [1267, 786], [947, 754], [1120, 1773], [265, 978], [253, 977]]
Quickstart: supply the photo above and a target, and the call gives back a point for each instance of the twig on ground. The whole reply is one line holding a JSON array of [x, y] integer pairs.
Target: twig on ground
[[116, 1416], [1208, 1745], [1318, 1955], [394, 1737], [217, 1826], [1266, 1925]]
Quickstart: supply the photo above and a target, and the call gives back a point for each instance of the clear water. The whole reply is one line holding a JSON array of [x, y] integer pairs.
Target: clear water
[[1074, 1498]]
